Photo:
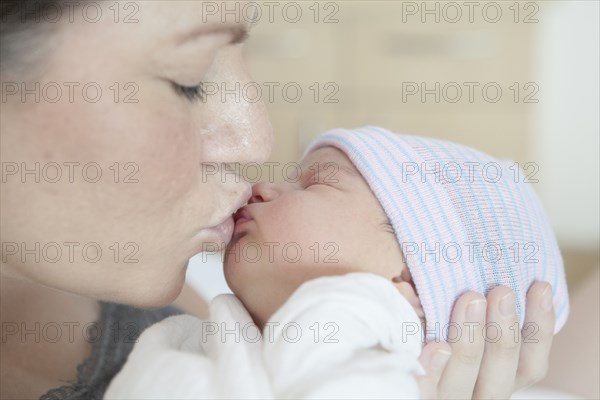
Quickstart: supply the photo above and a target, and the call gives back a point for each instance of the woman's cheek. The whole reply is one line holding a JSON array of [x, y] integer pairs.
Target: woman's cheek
[[162, 145]]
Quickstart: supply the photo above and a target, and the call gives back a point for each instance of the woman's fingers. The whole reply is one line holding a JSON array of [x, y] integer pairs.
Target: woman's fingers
[[467, 344], [490, 356], [502, 345], [537, 334], [434, 358]]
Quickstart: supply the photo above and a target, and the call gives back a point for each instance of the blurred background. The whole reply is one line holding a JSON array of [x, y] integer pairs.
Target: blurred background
[[516, 79]]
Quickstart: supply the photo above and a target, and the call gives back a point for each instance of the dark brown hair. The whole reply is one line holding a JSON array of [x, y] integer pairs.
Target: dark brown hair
[[22, 26]]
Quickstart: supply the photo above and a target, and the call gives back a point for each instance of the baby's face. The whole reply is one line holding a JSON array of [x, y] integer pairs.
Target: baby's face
[[327, 223]]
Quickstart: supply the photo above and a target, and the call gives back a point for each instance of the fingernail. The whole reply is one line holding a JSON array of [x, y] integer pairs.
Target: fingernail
[[508, 305], [440, 358], [547, 298], [476, 310]]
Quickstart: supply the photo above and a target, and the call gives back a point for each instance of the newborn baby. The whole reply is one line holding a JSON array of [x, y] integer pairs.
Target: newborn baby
[[434, 218], [339, 276]]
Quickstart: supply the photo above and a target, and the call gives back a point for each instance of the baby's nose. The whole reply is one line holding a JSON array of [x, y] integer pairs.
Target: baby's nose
[[263, 192]]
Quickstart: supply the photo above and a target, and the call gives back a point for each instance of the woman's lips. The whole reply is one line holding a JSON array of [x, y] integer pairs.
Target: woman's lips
[[241, 217], [224, 230]]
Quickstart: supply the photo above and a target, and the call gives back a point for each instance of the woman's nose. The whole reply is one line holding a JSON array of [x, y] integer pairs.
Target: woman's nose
[[263, 192], [240, 129]]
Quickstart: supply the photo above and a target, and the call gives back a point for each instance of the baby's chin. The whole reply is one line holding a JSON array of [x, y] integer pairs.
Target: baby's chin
[[231, 256], [234, 270]]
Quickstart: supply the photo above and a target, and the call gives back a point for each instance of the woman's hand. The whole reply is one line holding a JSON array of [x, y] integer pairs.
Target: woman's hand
[[472, 367]]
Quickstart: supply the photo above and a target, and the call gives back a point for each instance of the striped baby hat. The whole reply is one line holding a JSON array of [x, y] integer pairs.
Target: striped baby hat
[[464, 220]]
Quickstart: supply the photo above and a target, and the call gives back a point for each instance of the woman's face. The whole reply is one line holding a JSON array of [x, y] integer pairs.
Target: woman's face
[[125, 235]]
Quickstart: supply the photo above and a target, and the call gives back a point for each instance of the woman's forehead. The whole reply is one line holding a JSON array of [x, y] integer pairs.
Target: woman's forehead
[[184, 20]]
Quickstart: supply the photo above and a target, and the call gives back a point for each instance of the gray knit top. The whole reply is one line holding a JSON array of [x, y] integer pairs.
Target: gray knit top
[[118, 329]]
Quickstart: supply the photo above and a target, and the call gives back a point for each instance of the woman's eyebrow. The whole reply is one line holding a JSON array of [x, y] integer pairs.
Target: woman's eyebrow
[[239, 33]]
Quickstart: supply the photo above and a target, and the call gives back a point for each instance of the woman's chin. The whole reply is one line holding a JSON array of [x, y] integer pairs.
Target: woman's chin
[[152, 292], [159, 299]]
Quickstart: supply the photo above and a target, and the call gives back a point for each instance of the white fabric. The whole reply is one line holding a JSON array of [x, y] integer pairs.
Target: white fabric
[[351, 336], [206, 276]]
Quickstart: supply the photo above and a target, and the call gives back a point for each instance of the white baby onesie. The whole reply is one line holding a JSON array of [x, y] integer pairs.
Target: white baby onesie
[[349, 336]]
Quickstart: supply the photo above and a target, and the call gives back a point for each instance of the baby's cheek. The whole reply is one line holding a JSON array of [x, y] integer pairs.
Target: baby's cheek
[[249, 276]]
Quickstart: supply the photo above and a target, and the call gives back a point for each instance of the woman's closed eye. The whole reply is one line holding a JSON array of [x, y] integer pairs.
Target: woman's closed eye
[[191, 93]]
